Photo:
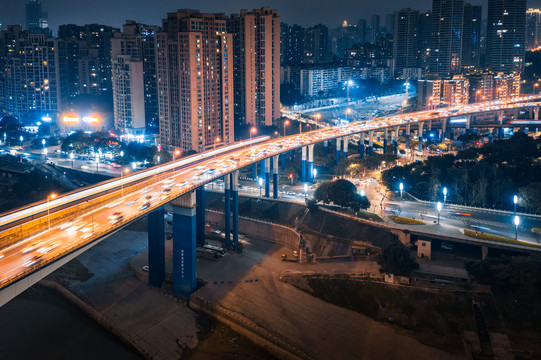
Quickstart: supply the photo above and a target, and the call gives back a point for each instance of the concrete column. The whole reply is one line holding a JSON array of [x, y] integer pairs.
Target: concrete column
[[536, 113], [378, 136], [361, 145], [490, 136], [420, 137], [370, 150], [303, 164], [262, 162], [227, 209], [407, 136], [385, 135], [346, 145], [235, 196], [499, 116], [311, 163], [184, 244], [200, 221], [396, 136], [516, 113], [325, 148], [443, 128], [338, 149], [267, 178], [156, 247], [254, 170], [429, 125], [275, 177], [501, 135]]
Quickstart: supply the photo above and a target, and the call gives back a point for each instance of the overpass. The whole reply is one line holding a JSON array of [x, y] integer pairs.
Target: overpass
[[36, 239]]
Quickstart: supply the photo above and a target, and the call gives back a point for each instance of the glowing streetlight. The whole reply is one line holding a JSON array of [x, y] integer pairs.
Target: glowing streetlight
[[315, 174], [158, 159], [305, 190], [515, 201], [216, 141], [516, 220], [362, 192], [175, 154], [21, 139], [253, 130], [348, 111], [286, 123], [71, 157], [444, 194], [260, 180], [401, 187], [534, 87], [97, 164], [43, 142], [439, 207], [50, 197]]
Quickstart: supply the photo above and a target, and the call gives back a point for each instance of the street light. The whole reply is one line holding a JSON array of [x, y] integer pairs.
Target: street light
[[348, 84], [305, 190], [348, 111], [534, 86], [286, 123], [52, 196], [517, 222], [21, 139], [315, 174], [362, 192], [444, 194], [253, 130], [97, 164], [216, 141], [43, 142], [515, 201], [260, 184], [401, 187], [71, 157], [439, 207]]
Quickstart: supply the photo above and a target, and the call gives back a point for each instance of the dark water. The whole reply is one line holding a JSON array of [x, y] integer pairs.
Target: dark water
[[40, 324]]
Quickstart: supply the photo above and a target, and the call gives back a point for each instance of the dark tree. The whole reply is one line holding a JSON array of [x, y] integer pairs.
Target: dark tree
[[395, 259]]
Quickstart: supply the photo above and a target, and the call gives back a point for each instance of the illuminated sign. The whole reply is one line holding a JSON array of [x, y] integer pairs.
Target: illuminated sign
[[91, 119], [71, 119]]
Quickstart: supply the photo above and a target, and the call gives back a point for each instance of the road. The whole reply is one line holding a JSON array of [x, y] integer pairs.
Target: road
[[85, 220]]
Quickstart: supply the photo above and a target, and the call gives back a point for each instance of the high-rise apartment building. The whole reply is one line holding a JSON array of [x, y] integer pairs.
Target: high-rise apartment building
[[316, 40], [194, 58], [389, 23], [533, 29], [446, 40], [471, 40], [291, 44], [361, 28], [406, 39], [256, 66], [374, 28], [134, 79], [30, 74], [93, 47], [506, 28], [425, 33]]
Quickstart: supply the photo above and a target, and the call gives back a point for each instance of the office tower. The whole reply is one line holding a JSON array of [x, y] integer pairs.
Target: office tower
[[30, 81], [506, 30], [36, 19], [374, 28], [389, 23], [361, 26], [135, 95], [446, 42], [343, 38], [316, 40], [256, 66], [195, 81], [533, 30], [93, 56], [425, 33], [406, 39], [471, 40], [291, 44]]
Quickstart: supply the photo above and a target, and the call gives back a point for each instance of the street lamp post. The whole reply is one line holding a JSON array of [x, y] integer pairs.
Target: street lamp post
[[49, 197], [305, 190], [444, 194], [534, 87], [517, 222], [362, 192], [71, 157], [401, 187], [347, 112], [253, 130], [97, 164], [315, 174], [515, 201], [286, 123], [260, 184], [439, 207]]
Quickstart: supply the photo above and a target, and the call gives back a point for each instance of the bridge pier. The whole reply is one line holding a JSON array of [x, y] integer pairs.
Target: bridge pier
[[156, 247], [311, 163], [200, 220], [235, 195], [262, 163], [345, 147], [267, 178], [407, 136], [227, 209], [275, 176], [325, 148], [370, 149], [443, 129], [361, 145], [254, 170], [536, 113], [490, 136], [303, 164], [184, 244], [385, 135], [420, 137], [501, 134], [338, 149]]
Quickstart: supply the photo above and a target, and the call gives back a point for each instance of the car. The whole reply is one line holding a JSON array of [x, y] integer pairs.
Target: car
[[116, 218], [145, 206]]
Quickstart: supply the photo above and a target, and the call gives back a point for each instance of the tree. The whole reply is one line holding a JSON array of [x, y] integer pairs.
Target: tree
[[342, 193], [395, 259]]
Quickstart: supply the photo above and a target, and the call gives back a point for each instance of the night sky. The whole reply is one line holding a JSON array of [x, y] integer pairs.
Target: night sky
[[302, 12]]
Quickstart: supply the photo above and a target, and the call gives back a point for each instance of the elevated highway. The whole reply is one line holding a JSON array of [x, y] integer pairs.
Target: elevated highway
[[35, 237]]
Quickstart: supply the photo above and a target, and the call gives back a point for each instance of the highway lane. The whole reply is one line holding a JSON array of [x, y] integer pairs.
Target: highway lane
[[75, 232]]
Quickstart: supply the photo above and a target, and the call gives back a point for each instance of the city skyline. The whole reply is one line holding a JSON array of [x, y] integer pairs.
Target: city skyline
[[330, 14]]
